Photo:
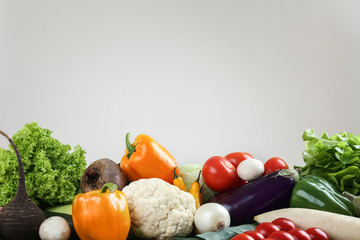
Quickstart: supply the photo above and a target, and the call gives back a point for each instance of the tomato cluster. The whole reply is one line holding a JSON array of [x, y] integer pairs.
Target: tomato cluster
[[220, 173], [282, 229]]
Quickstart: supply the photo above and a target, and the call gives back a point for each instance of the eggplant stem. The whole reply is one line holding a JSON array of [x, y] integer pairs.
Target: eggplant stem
[[349, 196], [355, 201]]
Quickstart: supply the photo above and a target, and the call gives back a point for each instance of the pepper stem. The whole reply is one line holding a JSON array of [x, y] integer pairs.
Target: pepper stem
[[111, 186], [129, 147], [175, 175], [198, 178]]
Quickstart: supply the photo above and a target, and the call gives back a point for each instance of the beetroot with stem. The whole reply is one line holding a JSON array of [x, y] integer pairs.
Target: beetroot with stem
[[21, 218]]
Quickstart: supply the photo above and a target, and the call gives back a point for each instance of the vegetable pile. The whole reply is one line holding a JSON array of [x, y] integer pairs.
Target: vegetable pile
[[336, 226], [148, 195], [282, 229]]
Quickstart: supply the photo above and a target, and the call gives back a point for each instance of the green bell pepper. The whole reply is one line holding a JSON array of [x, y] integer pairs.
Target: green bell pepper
[[317, 193]]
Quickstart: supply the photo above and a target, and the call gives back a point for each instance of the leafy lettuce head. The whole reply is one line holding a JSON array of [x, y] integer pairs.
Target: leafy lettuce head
[[52, 172], [336, 158]]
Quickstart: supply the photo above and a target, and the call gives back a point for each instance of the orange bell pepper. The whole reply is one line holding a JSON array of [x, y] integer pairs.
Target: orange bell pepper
[[146, 158], [101, 214]]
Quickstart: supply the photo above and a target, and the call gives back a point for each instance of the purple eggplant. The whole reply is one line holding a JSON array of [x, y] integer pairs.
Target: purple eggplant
[[270, 192]]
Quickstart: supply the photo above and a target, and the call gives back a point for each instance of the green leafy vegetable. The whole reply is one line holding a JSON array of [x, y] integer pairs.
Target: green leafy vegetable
[[335, 158], [52, 173]]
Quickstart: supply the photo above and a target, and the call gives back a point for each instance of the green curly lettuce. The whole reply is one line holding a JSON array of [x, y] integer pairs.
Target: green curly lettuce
[[335, 158], [52, 172]]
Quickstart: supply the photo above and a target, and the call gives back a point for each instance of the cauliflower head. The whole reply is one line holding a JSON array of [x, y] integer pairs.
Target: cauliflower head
[[159, 210]]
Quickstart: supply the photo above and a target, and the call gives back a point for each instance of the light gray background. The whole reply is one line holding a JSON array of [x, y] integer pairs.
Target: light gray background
[[203, 78]]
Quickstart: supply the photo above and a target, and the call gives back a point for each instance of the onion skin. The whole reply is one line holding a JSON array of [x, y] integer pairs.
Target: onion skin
[[270, 192]]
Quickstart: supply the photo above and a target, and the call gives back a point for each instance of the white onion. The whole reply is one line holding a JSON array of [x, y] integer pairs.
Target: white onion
[[211, 217], [250, 169]]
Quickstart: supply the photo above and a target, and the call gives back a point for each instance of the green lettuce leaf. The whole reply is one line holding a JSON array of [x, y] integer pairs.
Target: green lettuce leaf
[[52, 172], [336, 158]]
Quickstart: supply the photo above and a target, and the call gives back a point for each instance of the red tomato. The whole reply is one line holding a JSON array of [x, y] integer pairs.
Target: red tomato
[[281, 235], [219, 174], [242, 236], [299, 234], [317, 234], [284, 224], [274, 164], [266, 228], [255, 235], [237, 157]]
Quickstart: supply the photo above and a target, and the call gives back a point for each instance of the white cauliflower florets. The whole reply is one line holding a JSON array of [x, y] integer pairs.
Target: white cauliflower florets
[[159, 210]]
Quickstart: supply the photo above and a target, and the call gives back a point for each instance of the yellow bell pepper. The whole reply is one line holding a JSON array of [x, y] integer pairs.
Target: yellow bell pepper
[[146, 158], [101, 214]]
